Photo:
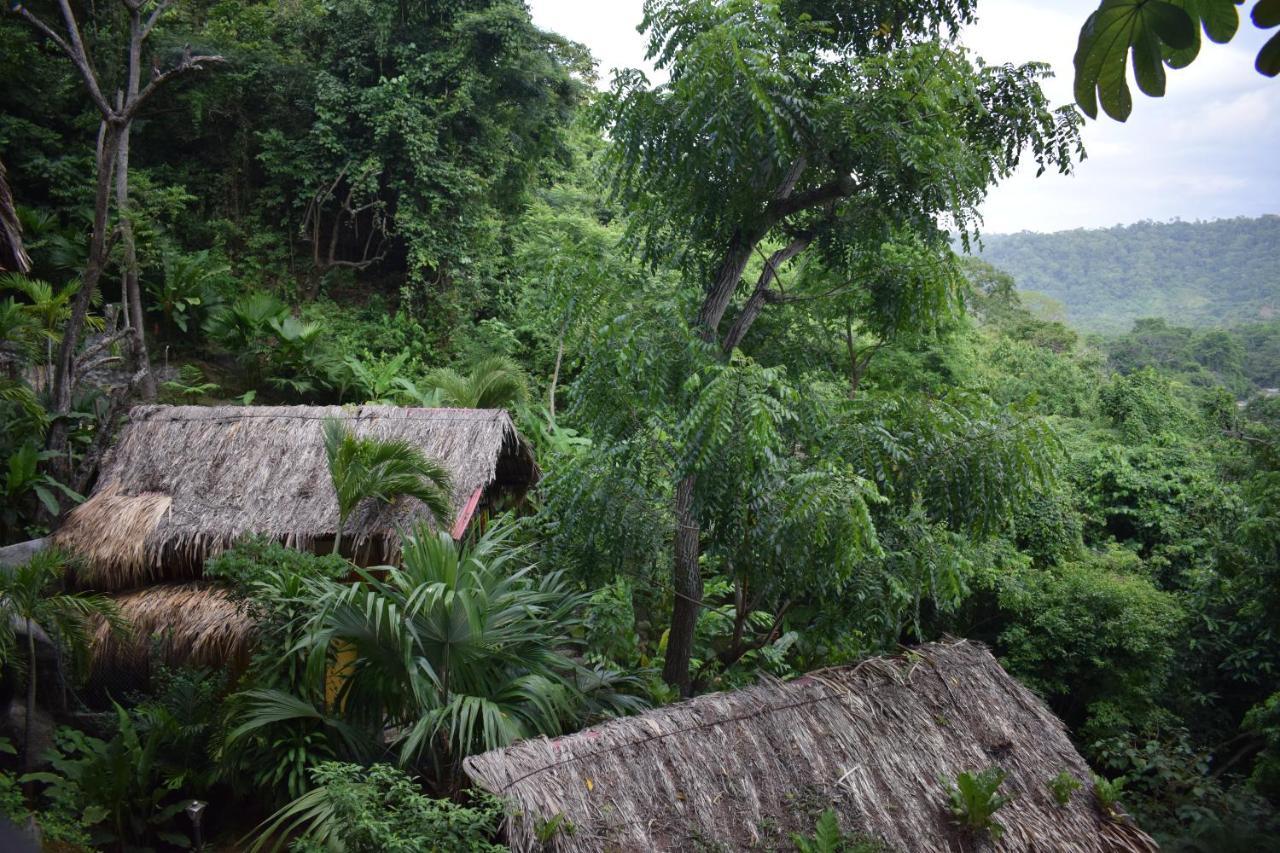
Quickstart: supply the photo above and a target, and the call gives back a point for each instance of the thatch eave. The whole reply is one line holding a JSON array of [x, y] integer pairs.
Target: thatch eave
[[195, 624]]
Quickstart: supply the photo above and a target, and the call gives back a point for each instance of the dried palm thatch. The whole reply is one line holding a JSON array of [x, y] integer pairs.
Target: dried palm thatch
[[188, 623], [184, 482], [876, 742], [12, 255]]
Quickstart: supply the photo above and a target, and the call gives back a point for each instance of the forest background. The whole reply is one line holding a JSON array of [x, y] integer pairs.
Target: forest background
[[899, 443]]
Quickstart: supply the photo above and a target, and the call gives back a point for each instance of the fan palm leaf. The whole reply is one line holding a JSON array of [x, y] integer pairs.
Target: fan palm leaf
[[493, 383]]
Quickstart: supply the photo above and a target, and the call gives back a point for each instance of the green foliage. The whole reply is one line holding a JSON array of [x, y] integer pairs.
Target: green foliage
[[119, 786], [190, 289], [190, 385], [378, 808], [369, 468], [33, 594], [1108, 792], [1158, 33], [829, 838], [974, 801], [1089, 632], [1191, 273], [24, 479], [547, 830], [57, 826], [492, 383], [255, 561], [462, 649], [1063, 786]]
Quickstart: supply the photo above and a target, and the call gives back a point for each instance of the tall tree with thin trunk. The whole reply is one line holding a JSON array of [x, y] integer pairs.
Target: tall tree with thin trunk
[[117, 112], [813, 128], [32, 596]]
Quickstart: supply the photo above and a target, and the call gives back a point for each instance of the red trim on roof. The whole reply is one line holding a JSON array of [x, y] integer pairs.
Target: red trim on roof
[[464, 517]]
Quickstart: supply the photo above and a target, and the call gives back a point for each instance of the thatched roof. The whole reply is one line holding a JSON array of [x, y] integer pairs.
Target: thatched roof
[[183, 482], [12, 256], [746, 769], [184, 623]]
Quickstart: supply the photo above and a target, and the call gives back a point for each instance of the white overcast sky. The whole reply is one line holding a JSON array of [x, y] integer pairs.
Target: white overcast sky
[[1206, 150]]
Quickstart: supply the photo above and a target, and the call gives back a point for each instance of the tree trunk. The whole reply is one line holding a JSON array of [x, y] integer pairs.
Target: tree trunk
[[31, 697], [688, 591], [762, 294], [726, 282], [64, 378], [131, 292], [555, 374]]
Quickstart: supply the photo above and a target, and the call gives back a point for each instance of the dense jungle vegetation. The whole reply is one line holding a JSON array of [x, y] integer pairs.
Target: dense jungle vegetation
[[783, 424], [1219, 273]]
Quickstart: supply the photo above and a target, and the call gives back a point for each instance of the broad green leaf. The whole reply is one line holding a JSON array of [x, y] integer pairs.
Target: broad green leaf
[[1171, 24], [1220, 19], [50, 502], [1268, 62], [1267, 14], [1148, 66]]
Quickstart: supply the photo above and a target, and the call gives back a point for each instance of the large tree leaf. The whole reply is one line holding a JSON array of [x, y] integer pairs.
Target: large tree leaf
[[1157, 32], [1268, 62], [1266, 14]]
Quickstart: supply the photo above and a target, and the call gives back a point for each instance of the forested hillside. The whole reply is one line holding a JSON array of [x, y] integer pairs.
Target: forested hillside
[[780, 424], [1223, 272]]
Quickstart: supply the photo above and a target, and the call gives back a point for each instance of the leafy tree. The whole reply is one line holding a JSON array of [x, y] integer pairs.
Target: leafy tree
[[364, 468], [425, 125], [785, 128], [116, 115]]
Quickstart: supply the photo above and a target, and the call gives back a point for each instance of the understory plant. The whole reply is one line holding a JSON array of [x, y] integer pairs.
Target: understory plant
[[462, 649], [379, 809]]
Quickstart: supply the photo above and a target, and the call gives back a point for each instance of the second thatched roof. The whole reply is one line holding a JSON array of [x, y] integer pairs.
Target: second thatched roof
[[184, 482], [876, 742]]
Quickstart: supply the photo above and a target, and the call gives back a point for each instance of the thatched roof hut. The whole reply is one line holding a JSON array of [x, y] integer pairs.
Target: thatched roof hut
[[184, 482], [12, 255], [874, 742]]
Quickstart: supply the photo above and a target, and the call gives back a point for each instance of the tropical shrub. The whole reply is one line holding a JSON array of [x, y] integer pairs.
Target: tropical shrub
[[496, 382], [477, 655], [379, 809]]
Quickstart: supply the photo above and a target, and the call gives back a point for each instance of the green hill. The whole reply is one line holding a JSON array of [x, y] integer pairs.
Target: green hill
[[1191, 273]]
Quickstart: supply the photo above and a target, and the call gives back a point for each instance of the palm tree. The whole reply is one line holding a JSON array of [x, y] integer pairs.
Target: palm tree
[[49, 308], [461, 649], [493, 383], [367, 467], [32, 595]]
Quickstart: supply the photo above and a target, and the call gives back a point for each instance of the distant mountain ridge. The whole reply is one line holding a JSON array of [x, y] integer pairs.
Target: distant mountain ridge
[[1223, 272]]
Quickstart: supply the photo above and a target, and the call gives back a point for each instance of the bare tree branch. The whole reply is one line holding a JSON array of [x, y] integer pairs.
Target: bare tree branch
[[78, 59], [188, 63]]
